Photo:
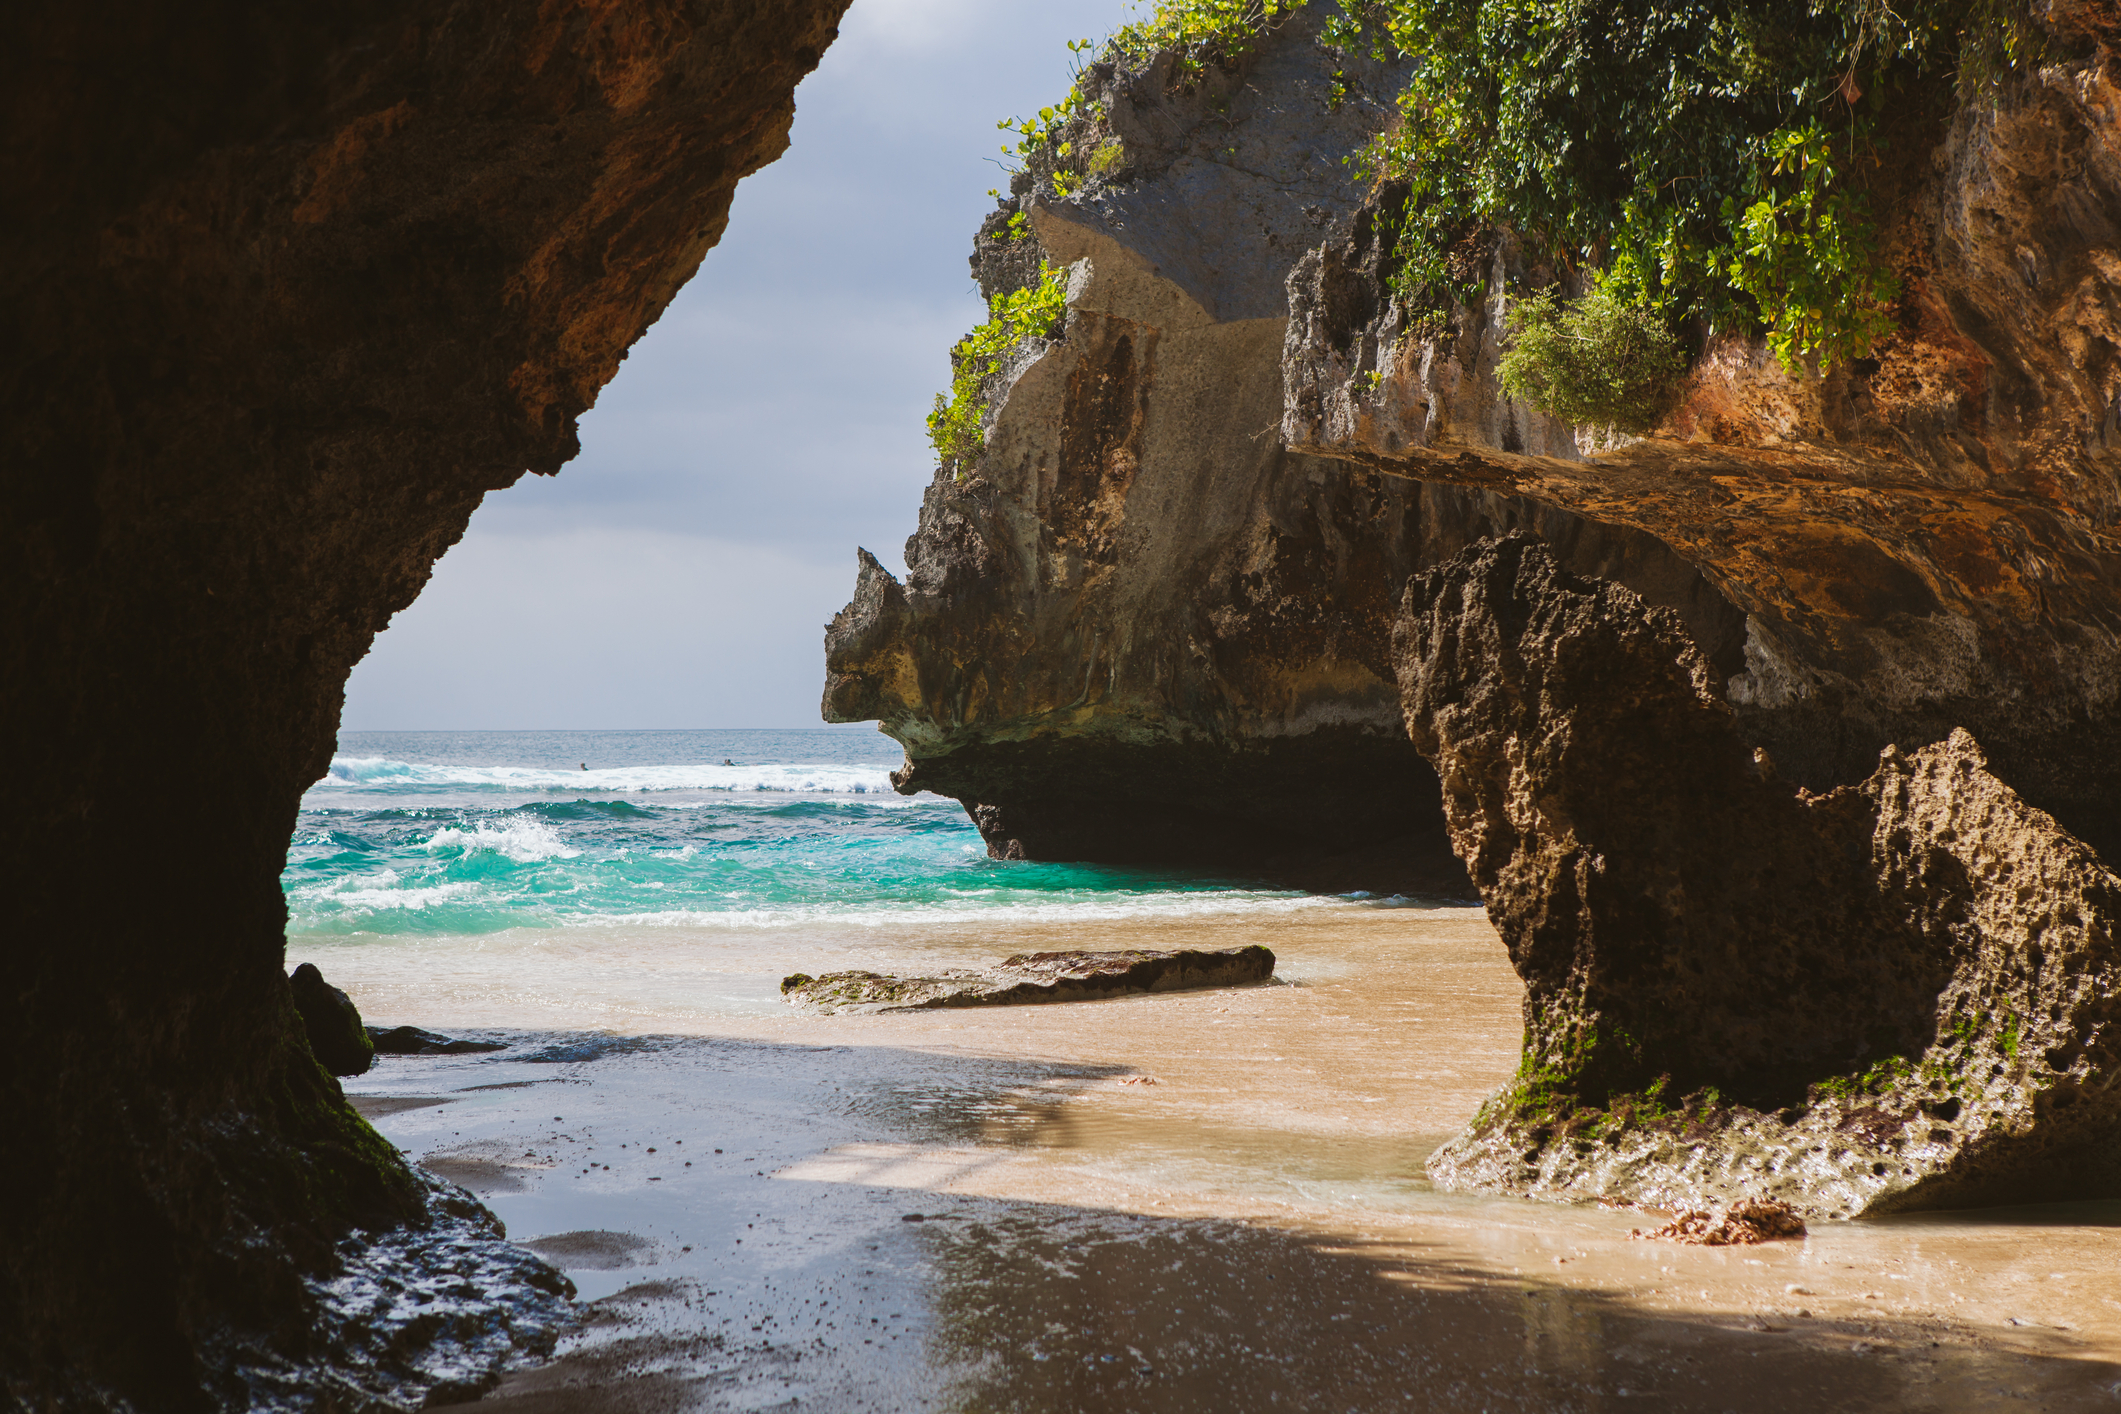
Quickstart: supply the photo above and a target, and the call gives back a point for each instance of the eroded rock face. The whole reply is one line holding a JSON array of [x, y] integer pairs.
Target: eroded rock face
[[1145, 627], [290, 291], [1140, 630], [1920, 541], [1898, 994]]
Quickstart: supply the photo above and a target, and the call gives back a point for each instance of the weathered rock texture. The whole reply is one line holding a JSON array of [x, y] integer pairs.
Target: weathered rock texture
[[1031, 978], [287, 291], [1139, 629], [1153, 622], [1903, 993], [1921, 541]]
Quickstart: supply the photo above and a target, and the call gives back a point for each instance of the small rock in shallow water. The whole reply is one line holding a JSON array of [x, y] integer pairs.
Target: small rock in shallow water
[[1742, 1224], [412, 1041], [1030, 978], [332, 1023]]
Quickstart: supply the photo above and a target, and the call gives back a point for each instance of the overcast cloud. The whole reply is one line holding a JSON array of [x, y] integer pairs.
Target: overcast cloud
[[680, 571]]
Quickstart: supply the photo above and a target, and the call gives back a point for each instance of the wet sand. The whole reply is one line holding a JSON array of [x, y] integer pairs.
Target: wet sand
[[994, 1209]]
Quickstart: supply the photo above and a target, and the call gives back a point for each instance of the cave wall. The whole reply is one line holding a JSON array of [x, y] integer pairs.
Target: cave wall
[[289, 290]]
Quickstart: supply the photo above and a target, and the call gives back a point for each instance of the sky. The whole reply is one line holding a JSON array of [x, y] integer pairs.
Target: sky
[[681, 570]]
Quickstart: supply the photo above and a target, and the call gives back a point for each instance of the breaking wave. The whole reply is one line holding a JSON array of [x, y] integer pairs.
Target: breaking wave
[[377, 774]]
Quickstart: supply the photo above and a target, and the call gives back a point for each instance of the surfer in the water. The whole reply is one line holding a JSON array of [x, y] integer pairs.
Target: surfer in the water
[[585, 765]]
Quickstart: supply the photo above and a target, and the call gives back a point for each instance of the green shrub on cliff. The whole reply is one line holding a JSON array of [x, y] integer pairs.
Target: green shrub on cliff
[[1036, 311], [1714, 159], [1599, 361]]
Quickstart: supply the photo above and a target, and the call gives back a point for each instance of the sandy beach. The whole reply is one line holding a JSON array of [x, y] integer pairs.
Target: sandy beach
[[1208, 1200]]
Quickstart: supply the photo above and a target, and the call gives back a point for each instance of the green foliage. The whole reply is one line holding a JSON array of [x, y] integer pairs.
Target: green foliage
[[1203, 31], [1041, 132], [1600, 361], [1875, 1081], [1712, 157], [1806, 252], [1111, 155], [1033, 312]]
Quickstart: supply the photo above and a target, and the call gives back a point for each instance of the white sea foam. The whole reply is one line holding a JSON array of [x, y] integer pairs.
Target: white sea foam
[[1105, 909], [523, 840], [377, 893], [380, 774]]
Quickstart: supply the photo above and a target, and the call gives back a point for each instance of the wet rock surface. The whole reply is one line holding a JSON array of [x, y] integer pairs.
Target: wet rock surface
[[1031, 978], [1894, 995], [292, 291], [412, 1041], [1745, 1223], [332, 1023]]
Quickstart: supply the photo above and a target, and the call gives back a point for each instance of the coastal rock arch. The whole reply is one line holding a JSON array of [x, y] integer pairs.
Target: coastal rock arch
[[293, 289]]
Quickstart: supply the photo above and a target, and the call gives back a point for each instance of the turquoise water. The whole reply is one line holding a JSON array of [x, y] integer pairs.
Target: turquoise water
[[423, 833]]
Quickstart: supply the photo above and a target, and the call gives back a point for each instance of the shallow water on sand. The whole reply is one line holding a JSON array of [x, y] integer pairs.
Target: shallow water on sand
[[976, 1210]]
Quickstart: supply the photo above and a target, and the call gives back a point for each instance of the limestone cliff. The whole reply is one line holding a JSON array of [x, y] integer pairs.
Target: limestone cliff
[[1149, 623], [1922, 540], [287, 291], [1141, 628]]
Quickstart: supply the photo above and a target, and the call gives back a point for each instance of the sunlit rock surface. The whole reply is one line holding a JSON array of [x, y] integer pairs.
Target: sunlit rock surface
[[1151, 624], [1899, 994], [286, 292], [1029, 979], [1924, 539], [1138, 630]]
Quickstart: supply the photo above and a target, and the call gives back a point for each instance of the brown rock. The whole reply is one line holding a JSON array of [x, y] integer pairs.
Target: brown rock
[[331, 1023], [1919, 540], [1152, 624], [287, 291], [1743, 1224], [1895, 995], [1031, 978]]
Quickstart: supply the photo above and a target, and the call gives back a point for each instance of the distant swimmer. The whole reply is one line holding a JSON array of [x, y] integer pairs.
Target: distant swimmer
[[727, 762], [585, 765]]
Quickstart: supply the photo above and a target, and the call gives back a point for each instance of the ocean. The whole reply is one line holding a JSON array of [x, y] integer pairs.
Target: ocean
[[507, 867]]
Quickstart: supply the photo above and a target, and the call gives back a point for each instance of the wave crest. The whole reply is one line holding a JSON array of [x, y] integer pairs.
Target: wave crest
[[525, 839], [381, 774]]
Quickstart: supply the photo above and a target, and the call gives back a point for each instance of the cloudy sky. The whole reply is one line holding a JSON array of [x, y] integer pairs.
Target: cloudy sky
[[679, 573]]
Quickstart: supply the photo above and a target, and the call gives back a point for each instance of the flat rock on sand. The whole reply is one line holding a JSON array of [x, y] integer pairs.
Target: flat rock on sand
[[1030, 978]]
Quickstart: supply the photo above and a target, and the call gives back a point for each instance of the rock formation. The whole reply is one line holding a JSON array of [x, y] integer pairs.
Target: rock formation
[[1922, 540], [1903, 993], [1029, 979], [1151, 621], [331, 1023], [287, 293], [1147, 622], [1139, 629]]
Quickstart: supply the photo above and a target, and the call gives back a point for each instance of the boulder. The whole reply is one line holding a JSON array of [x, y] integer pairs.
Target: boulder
[[332, 1023], [412, 1041], [1897, 994], [1030, 978]]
